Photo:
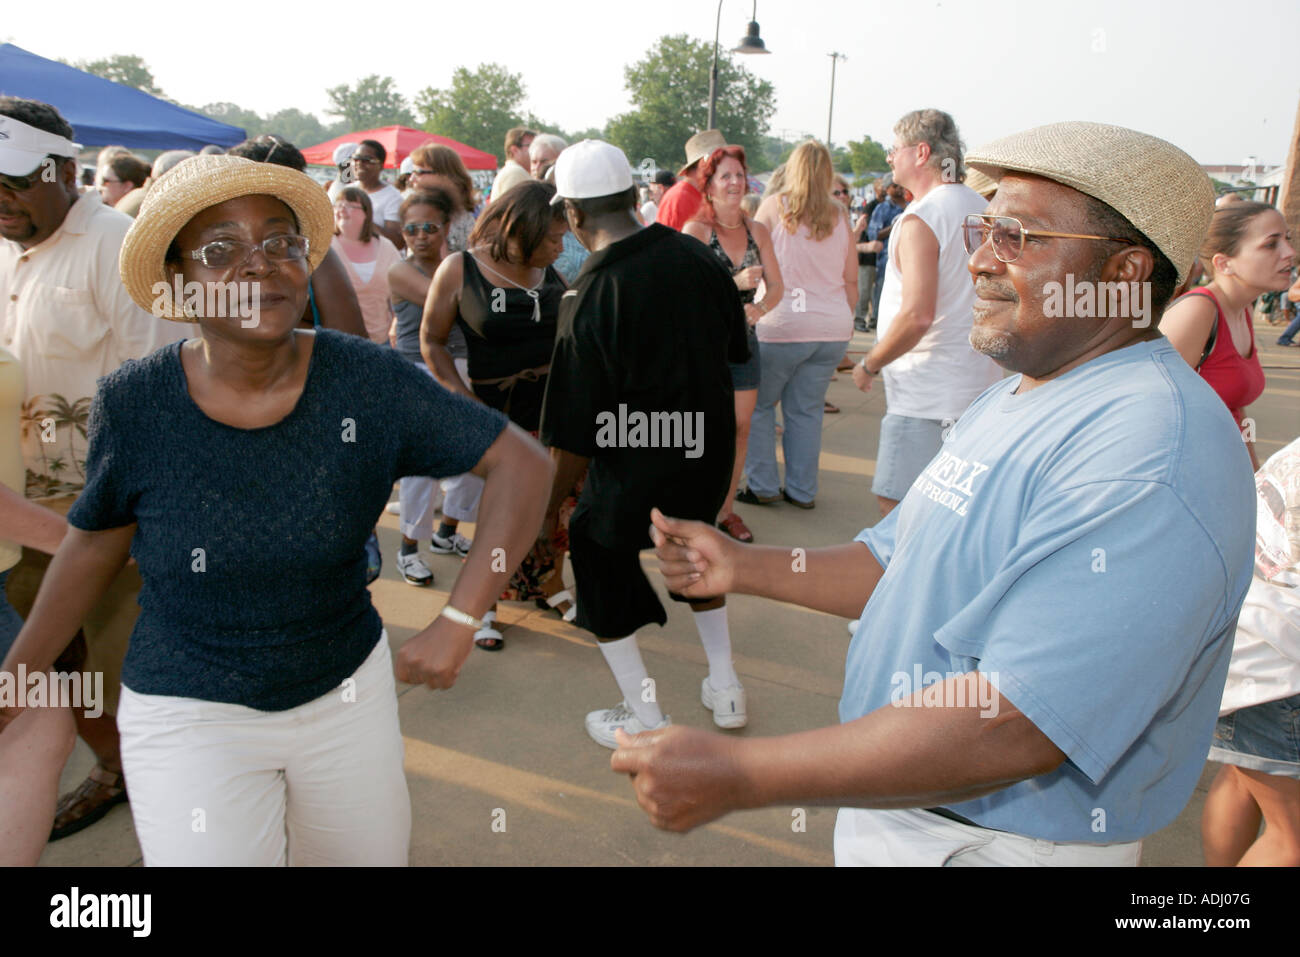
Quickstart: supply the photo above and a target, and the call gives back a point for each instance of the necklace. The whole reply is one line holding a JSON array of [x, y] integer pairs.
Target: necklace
[[729, 225], [532, 292]]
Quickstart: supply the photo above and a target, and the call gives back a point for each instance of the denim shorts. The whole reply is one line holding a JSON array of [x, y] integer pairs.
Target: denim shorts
[[907, 445], [747, 375], [1264, 737]]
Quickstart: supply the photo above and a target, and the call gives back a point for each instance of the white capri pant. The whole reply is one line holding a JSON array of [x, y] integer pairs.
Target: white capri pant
[[216, 784], [415, 493], [916, 838]]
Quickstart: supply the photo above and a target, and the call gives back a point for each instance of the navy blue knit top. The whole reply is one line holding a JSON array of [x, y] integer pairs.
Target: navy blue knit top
[[251, 542]]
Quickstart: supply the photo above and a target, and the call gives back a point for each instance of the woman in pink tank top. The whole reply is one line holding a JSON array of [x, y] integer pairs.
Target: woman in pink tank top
[[1247, 253]]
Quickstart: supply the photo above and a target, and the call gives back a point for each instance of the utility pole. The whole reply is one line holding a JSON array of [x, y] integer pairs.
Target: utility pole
[[831, 112]]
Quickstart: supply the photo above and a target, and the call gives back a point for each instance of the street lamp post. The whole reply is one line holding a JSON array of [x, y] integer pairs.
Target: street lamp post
[[831, 112], [750, 44]]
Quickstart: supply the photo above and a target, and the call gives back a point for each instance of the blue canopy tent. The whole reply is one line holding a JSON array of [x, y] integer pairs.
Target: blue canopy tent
[[103, 112]]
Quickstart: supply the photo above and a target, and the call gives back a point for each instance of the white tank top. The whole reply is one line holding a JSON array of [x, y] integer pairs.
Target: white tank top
[[941, 375]]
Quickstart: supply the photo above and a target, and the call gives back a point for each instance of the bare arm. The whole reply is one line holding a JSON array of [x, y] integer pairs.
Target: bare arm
[[440, 308], [29, 524], [698, 561], [918, 261], [407, 282], [336, 300], [850, 270], [392, 231], [518, 479], [893, 757], [1187, 325], [82, 569], [774, 285]]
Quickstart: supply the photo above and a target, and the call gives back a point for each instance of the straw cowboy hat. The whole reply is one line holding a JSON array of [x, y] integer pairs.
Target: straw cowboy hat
[[701, 145], [1157, 187], [191, 187]]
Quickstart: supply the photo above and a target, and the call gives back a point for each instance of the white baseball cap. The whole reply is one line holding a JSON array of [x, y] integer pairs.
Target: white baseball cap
[[589, 169], [23, 147], [343, 152]]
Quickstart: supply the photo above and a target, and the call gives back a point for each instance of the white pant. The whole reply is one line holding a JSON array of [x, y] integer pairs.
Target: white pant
[[415, 492], [215, 784], [917, 838]]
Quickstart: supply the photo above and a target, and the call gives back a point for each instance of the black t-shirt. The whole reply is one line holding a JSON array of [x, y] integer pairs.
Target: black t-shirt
[[639, 383]]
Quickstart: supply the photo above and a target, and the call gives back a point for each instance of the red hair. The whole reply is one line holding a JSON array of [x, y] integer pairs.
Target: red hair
[[705, 171]]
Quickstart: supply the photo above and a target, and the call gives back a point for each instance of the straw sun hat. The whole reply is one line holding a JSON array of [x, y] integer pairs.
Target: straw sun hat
[[1157, 187], [191, 187]]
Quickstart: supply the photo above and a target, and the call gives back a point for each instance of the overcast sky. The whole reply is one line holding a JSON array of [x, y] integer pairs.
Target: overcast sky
[[1220, 87]]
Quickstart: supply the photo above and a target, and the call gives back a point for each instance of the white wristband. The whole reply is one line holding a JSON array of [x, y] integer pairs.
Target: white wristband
[[461, 618]]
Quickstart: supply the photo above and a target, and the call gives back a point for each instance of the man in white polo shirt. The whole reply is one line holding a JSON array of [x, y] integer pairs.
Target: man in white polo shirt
[[68, 319], [922, 348]]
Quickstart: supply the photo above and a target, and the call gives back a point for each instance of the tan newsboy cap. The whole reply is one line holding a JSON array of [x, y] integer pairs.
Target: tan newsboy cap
[[1153, 184]]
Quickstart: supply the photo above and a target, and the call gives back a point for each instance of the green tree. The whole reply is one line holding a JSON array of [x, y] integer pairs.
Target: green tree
[[670, 93], [127, 70], [373, 102], [235, 115], [477, 109], [299, 128], [866, 156]]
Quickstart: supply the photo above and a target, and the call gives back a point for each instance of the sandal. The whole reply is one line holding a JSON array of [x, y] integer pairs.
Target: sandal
[[749, 497], [487, 637], [735, 526], [828, 409], [845, 366], [559, 598], [93, 798]]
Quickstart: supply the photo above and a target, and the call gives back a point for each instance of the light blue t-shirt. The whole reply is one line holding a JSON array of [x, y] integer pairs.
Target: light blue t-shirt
[[1086, 546]]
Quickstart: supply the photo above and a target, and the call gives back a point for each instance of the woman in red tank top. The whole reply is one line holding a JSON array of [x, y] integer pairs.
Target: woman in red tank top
[[1247, 253]]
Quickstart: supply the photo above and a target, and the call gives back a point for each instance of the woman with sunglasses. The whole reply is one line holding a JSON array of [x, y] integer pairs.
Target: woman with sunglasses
[[424, 213], [243, 470], [440, 167], [368, 255]]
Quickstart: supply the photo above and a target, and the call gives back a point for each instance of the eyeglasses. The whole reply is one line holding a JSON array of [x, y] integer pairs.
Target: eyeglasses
[[365, 160], [1008, 235], [225, 253], [840, 192], [352, 207], [428, 229], [893, 150], [423, 172]]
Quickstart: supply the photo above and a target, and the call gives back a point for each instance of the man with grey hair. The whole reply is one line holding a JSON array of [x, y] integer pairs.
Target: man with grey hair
[[546, 148], [1046, 621], [130, 203], [923, 323]]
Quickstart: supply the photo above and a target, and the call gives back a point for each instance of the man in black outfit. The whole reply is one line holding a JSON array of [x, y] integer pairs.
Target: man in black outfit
[[639, 388]]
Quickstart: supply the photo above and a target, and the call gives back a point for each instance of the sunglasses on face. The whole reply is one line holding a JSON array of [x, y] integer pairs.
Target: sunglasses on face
[[21, 184], [225, 253], [839, 192], [428, 229], [365, 160], [1008, 235]]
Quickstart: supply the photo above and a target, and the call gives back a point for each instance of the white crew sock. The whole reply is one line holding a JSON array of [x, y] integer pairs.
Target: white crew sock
[[716, 639], [624, 659]]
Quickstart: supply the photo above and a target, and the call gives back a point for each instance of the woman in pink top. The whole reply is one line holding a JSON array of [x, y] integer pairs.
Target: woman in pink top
[[368, 256], [1247, 253], [805, 334]]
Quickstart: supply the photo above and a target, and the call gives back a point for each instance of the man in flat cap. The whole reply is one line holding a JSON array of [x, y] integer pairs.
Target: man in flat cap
[[1049, 612]]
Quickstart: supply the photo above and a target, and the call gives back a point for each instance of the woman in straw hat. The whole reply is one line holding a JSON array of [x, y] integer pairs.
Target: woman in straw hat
[[243, 470]]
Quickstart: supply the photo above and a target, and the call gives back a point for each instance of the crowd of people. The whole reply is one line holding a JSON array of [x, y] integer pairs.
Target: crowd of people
[[577, 357]]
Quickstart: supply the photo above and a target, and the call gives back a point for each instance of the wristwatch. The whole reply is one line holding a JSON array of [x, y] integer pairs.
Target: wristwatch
[[461, 618], [863, 363]]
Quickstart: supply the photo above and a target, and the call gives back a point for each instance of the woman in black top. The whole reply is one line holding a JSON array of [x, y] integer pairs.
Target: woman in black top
[[505, 295]]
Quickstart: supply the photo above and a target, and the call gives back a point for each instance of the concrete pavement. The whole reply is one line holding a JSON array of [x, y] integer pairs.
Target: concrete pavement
[[500, 768]]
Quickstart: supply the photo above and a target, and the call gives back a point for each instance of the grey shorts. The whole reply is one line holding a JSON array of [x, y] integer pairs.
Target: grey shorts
[[1265, 737], [906, 447]]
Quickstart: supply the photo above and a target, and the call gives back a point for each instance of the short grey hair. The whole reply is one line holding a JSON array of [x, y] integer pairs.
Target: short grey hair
[[556, 144], [938, 130], [166, 161]]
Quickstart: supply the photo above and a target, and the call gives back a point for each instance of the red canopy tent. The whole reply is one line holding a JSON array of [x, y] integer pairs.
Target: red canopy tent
[[399, 141]]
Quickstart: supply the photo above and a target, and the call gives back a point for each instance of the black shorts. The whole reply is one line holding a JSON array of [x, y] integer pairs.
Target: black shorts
[[614, 596]]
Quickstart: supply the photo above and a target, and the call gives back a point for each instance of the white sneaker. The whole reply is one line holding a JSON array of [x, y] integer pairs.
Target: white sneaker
[[393, 508], [457, 544], [601, 725], [413, 569], [853, 629], [727, 705]]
